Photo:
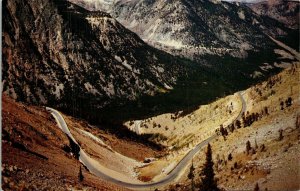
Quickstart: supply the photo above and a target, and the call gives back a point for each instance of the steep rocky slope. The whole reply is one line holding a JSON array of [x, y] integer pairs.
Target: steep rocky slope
[[104, 5], [190, 28], [87, 64], [286, 12], [57, 53], [35, 153]]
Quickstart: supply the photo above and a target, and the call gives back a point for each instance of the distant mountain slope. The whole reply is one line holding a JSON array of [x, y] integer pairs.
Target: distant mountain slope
[[189, 27], [104, 5], [286, 12], [87, 64], [57, 53]]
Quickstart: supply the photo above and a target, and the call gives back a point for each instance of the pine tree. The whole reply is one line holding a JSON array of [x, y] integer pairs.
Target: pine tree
[[248, 147], [262, 148], [280, 134], [288, 102], [230, 157], [281, 105], [256, 188], [191, 176], [208, 182], [80, 175], [297, 123], [238, 124], [266, 111]]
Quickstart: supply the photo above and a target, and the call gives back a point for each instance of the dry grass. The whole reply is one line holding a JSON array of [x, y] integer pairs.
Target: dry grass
[[190, 129], [277, 167]]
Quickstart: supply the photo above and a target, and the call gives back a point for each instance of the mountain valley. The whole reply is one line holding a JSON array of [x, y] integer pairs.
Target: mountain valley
[[150, 95]]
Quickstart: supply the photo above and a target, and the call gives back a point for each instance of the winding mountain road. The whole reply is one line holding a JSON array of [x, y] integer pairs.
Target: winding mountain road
[[173, 175]]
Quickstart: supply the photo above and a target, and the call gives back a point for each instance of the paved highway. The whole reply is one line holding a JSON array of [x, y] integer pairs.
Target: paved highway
[[169, 178]]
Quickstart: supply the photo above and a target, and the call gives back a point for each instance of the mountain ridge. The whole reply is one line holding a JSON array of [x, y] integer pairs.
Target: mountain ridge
[[192, 28], [78, 54]]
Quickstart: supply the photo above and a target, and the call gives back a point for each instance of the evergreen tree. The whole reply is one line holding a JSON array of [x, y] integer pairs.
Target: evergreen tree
[[266, 111], [256, 188], [238, 124], [297, 123], [230, 157], [80, 175], [262, 148], [191, 176], [281, 105], [288, 102], [248, 147], [231, 127], [208, 182], [280, 134]]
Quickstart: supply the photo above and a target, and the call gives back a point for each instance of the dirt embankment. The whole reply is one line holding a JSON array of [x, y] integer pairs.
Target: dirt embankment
[[34, 154]]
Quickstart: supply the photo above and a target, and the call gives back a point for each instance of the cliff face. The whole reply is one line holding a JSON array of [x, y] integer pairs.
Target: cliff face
[[57, 53]]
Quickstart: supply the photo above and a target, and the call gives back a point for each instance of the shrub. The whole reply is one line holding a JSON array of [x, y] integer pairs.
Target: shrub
[[281, 105], [235, 165], [256, 188], [248, 147], [280, 134], [297, 122], [80, 175], [263, 148]]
